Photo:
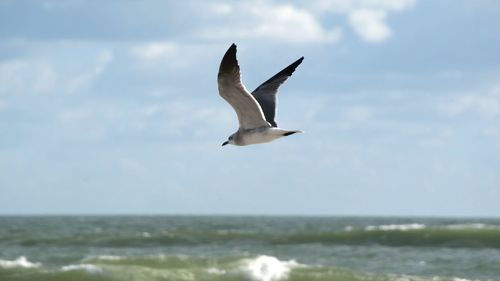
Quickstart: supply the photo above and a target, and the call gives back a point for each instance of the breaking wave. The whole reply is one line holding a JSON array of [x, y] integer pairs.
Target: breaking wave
[[90, 268], [22, 262], [179, 268]]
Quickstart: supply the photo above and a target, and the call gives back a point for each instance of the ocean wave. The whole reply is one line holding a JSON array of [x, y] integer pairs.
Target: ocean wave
[[391, 227], [413, 234], [180, 268], [472, 226], [90, 268], [257, 268], [216, 271], [268, 268], [19, 262], [106, 258]]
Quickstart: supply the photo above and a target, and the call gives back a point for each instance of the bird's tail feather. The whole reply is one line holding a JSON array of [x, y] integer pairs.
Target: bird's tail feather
[[287, 133]]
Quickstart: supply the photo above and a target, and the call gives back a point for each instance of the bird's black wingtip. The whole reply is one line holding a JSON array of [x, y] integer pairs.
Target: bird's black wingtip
[[291, 68], [229, 61], [232, 48]]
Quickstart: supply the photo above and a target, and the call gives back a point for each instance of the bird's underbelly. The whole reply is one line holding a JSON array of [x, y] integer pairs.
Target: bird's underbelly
[[261, 135]]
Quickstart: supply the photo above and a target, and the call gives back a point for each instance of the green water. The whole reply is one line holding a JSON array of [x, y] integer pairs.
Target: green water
[[248, 248]]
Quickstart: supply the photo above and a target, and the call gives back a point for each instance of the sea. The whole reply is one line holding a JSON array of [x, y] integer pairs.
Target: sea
[[250, 248]]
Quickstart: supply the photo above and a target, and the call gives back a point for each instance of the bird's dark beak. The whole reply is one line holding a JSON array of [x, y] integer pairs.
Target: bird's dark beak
[[224, 143]]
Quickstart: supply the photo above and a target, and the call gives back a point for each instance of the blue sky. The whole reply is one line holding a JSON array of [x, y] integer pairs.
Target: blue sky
[[110, 107]]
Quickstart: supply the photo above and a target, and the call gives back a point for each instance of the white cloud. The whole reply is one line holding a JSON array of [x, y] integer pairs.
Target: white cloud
[[168, 54], [79, 82], [97, 121], [154, 51], [437, 138], [346, 6], [302, 23], [85, 78], [45, 74], [26, 76], [487, 104], [88, 122], [367, 17], [370, 25], [181, 115], [221, 8], [272, 22], [352, 116], [103, 59]]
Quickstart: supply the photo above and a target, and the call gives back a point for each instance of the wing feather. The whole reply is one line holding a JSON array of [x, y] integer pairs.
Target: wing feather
[[266, 93], [249, 113]]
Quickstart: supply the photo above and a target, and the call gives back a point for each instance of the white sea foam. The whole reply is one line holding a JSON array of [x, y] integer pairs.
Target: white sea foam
[[216, 271], [472, 226], [462, 279], [400, 227], [109, 258], [417, 278], [90, 268], [19, 262], [268, 268]]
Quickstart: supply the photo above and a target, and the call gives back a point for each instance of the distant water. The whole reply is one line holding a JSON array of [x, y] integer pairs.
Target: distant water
[[150, 248]]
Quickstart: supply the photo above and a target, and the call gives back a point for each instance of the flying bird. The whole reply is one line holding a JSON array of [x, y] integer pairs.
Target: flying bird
[[256, 111]]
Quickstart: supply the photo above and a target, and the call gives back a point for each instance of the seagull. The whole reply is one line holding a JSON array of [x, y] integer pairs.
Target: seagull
[[256, 111]]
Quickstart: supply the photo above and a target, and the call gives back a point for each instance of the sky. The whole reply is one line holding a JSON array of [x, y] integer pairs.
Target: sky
[[112, 107]]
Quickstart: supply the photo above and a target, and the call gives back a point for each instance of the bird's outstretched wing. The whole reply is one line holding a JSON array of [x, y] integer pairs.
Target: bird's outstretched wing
[[249, 113], [266, 93]]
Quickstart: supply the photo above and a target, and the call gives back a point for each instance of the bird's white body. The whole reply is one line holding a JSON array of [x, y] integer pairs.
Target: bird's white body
[[259, 135]]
